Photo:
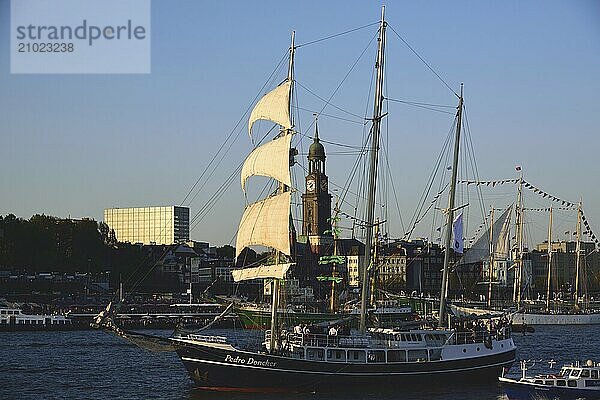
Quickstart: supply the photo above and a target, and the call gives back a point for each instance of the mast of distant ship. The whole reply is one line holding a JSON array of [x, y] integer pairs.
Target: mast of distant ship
[[377, 110], [549, 262], [578, 254], [518, 281], [491, 267], [450, 213]]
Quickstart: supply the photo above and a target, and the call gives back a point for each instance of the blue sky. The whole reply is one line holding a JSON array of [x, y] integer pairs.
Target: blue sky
[[76, 144]]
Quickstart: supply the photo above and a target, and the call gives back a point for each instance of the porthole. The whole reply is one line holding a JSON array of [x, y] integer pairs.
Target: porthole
[[464, 350], [478, 349]]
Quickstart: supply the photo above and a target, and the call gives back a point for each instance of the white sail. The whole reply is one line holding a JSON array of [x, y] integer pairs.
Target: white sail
[[480, 250], [502, 244], [266, 223], [274, 106], [276, 271], [271, 159]]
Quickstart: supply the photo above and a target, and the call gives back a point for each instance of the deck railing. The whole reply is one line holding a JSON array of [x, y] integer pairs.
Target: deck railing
[[322, 340]]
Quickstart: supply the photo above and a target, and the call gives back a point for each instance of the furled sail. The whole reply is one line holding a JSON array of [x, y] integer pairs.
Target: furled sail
[[272, 159], [267, 223], [480, 250], [276, 271], [274, 106]]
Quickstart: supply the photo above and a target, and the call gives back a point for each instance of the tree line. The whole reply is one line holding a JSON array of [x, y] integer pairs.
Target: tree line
[[45, 243]]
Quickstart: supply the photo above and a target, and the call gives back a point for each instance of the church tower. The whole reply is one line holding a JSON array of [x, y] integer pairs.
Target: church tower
[[316, 200]]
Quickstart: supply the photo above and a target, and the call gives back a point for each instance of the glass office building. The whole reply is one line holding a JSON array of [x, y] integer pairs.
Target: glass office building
[[149, 225]]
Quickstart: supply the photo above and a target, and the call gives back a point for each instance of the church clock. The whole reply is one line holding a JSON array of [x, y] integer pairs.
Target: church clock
[[316, 200]]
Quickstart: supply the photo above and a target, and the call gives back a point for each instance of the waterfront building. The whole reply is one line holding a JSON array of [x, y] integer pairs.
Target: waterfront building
[[149, 225], [173, 268], [391, 271], [353, 251]]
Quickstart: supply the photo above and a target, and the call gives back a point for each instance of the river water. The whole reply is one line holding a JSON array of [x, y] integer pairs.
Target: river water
[[97, 365]]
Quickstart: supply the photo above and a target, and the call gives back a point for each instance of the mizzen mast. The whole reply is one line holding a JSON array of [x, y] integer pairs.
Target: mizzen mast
[[450, 213]]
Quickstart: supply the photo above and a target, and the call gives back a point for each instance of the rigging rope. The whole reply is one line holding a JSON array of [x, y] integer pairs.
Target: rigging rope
[[423, 60], [336, 35], [417, 216], [328, 101], [330, 116], [422, 105], [474, 168]]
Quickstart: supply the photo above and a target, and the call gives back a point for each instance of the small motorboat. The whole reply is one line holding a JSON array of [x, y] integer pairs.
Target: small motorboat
[[573, 381]]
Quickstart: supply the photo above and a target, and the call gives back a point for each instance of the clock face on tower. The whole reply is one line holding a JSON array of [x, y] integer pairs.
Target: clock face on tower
[[324, 186], [310, 185]]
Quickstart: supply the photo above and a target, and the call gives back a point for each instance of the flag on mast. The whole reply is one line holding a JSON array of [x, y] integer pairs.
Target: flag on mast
[[458, 244]]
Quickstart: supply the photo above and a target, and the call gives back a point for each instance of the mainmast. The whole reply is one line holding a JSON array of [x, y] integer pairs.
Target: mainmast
[[450, 212], [549, 261], [377, 115]]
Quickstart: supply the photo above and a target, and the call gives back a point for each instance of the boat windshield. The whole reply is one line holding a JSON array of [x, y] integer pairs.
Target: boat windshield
[[585, 373]]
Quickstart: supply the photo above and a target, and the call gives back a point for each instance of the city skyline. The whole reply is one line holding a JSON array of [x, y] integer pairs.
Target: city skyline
[[74, 145]]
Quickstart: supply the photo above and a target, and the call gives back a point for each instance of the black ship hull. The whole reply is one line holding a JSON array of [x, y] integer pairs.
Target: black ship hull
[[215, 368]]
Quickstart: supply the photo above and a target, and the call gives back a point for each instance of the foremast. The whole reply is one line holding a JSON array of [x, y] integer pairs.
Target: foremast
[[282, 189], [450, 214], [268, 222], [372, 185]]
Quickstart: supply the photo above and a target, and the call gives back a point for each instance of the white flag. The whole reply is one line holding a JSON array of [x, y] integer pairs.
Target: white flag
[[458, 244]]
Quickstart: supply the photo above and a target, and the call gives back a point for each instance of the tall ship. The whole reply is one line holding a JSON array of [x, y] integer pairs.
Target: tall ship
[[493, 252], [560, 313], [308, 359]]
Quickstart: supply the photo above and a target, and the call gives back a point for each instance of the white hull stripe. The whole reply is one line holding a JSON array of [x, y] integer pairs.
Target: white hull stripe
[[345, 373]]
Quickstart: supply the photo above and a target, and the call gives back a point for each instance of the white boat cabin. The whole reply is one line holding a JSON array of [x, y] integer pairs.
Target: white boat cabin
[[580, 376], [15, 316], [392, 346]]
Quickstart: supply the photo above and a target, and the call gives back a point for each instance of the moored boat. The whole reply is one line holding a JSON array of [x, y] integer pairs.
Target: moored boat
[[13, 319], [557, 318], [573, 381]]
